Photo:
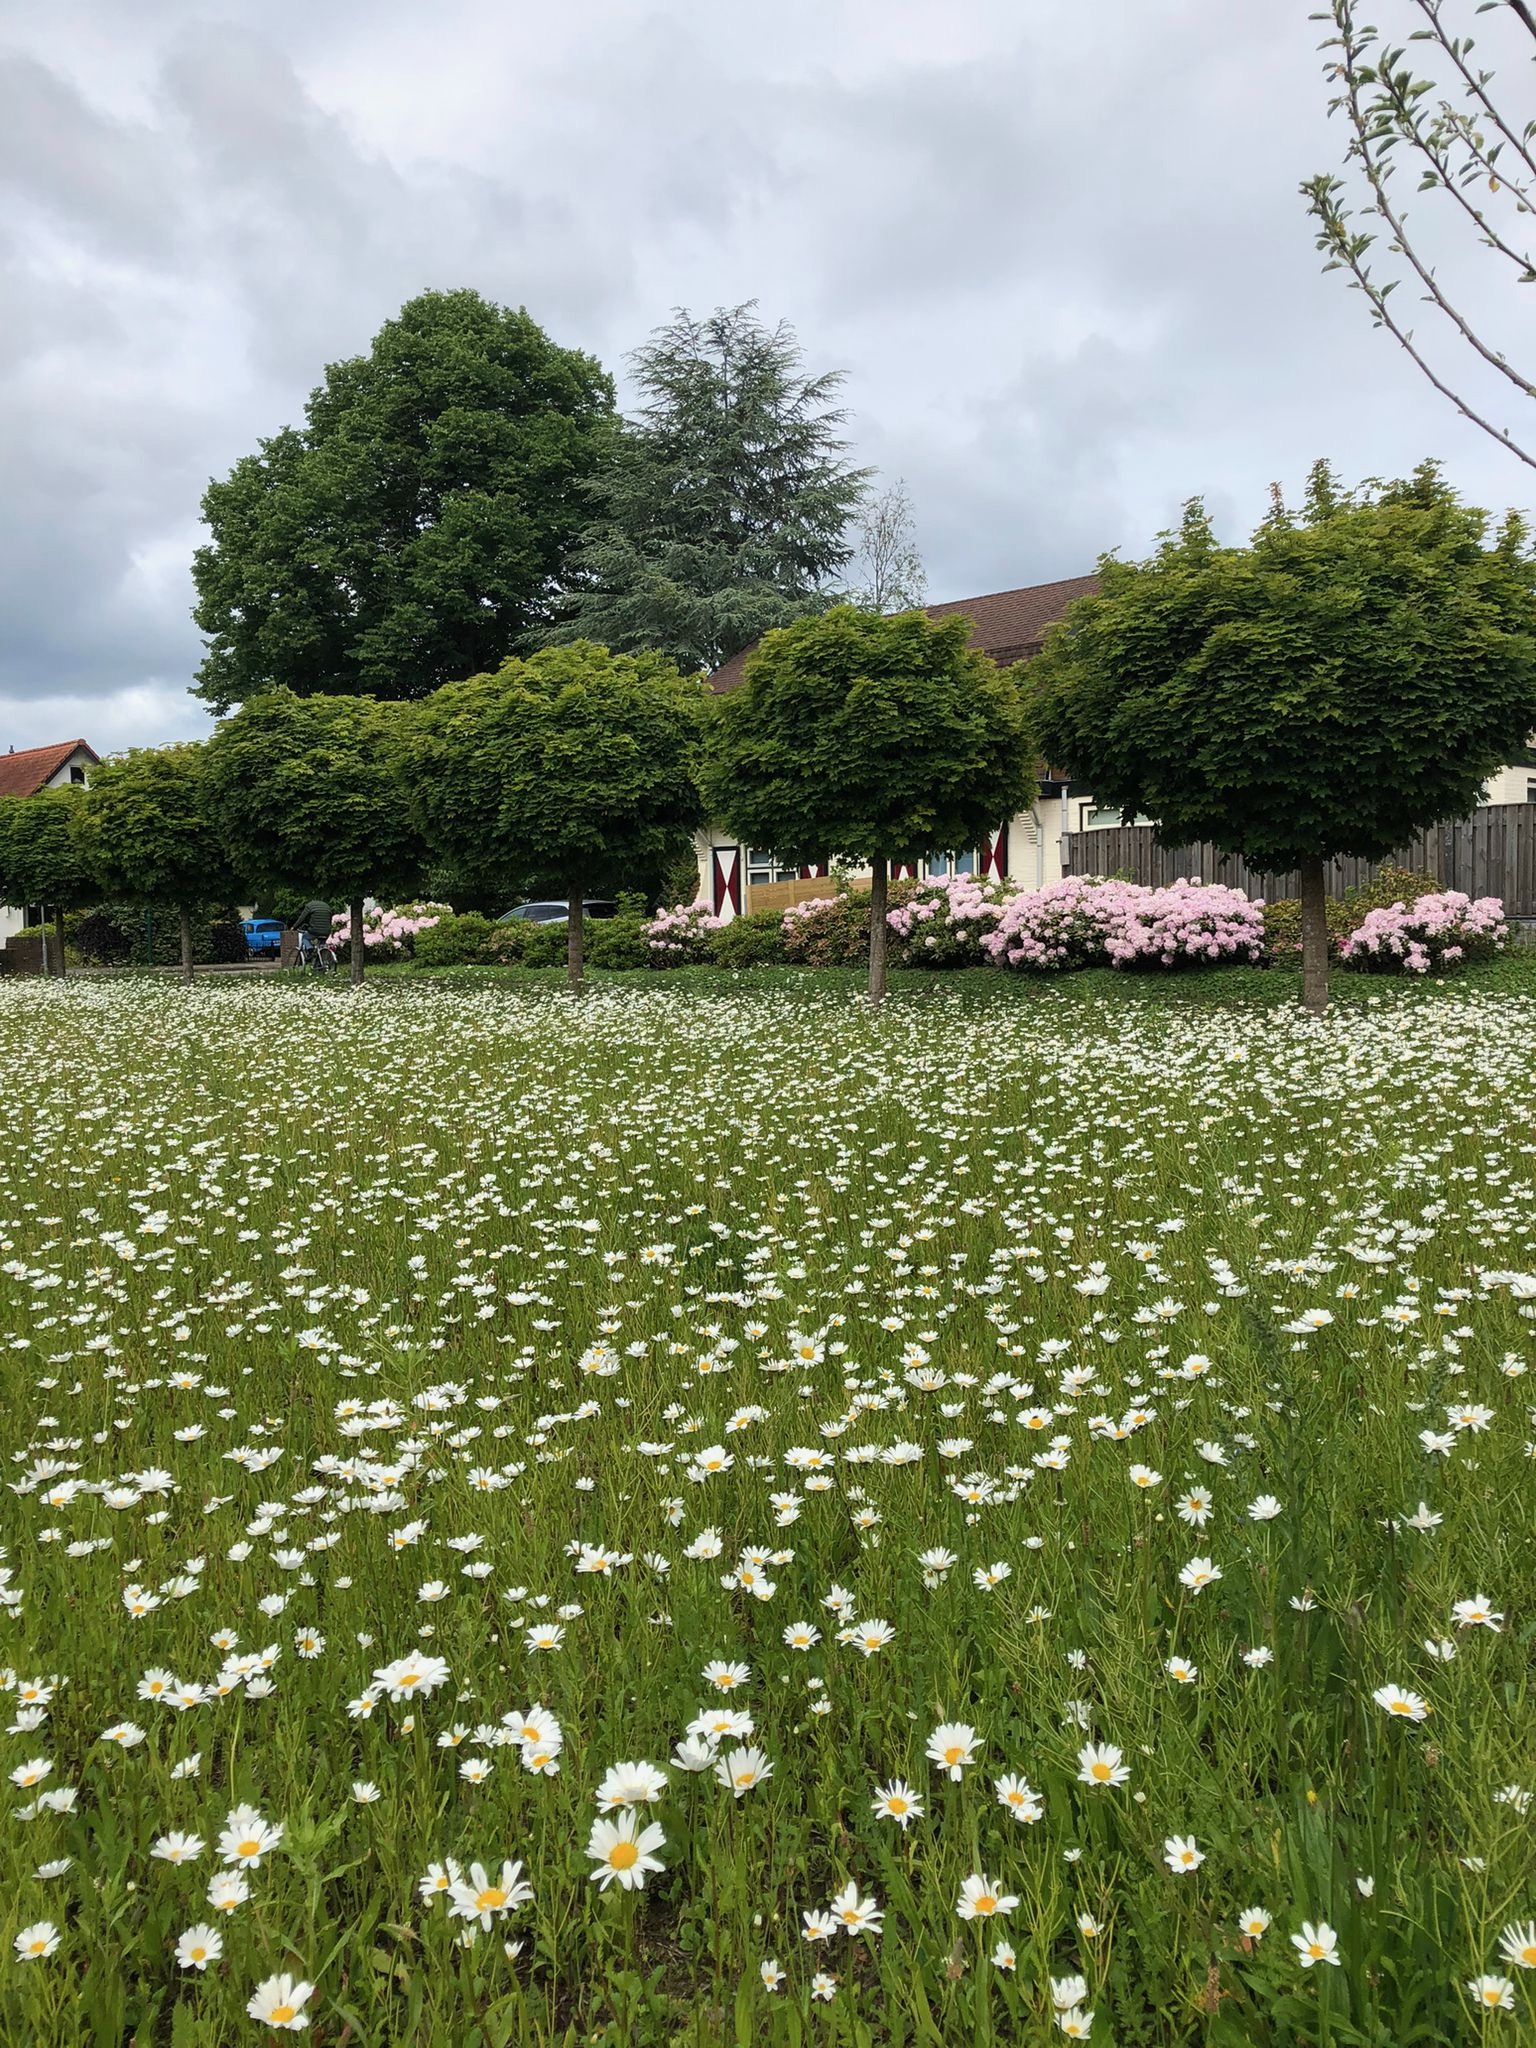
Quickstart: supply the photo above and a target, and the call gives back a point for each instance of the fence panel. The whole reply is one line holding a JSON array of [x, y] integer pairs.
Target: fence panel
[[1492, 853]]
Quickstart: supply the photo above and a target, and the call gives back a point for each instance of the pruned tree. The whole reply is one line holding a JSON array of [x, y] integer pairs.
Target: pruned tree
[[420, 523], [40, 859], [869, 739], [728, 511], [572, 771], [888, 567], [1352, 676], [309, 793], [144, 831], [1425, 103]]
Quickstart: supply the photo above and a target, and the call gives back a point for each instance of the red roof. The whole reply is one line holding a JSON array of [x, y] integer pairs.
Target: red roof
[[24, 774], [1007, 624]]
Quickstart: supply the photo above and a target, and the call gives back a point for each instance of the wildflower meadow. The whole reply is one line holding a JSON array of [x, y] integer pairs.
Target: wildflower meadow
[[695, 1516]]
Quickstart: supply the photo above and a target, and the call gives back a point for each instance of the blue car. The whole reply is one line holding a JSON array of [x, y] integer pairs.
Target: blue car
[[263, 936]]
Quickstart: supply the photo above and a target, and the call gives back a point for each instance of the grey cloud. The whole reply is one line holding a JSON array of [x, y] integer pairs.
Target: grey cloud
[[1058, 250]]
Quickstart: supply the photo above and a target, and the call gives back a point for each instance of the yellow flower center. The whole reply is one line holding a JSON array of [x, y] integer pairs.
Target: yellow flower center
[[248, 1849], [1528, 1956], [1400, 1707], [197, 1954], [491, 1898], [1316, 1949], [411, 1677], [1101, 1772], [897, 1805], [624, 1855], [986, 1903], [282, 2014], [953, 1754]]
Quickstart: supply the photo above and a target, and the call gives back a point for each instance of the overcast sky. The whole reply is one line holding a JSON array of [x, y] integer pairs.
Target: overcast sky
[[1055, 244]]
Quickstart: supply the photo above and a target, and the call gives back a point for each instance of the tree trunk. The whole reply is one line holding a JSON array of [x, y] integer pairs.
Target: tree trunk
[[186, 944], [356, 962], [573, 940], [879, 874], [1314, 937], [58, 926]]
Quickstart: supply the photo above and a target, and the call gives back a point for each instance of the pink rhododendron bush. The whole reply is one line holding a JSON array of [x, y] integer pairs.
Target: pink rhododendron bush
[[680, 937], [390, 934], [1434, 935], [946, 923], [1087, 922]]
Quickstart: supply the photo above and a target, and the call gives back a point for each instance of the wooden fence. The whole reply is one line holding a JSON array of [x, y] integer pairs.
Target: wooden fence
[[1492, 853]]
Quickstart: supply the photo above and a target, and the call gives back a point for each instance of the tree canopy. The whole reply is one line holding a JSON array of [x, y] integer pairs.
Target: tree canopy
[[1353, 675], [570, 771], [728, 512], [417, 527], [309, 793], [40, 858], [145, 832], [874, 739]]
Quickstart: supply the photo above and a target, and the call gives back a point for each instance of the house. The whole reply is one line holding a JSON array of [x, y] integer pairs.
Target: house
[[1009, 625], [24, 774]]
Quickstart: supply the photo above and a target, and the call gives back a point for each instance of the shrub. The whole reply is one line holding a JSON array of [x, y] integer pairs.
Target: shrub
[[616, 941], [1088, 922], [519, 942], [681, 937], [103, 942], [388, 934], [1051, 930], [1434, 935], [226, 944], [456, 941], [828, 931], [755, 941], [1282, 918], [1189, 924], [946, 924]]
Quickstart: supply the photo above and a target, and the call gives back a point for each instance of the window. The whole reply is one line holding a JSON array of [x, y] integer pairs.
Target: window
[[77, 774], [1530, 792], [938, 867], [1103, 817], [767, 867]]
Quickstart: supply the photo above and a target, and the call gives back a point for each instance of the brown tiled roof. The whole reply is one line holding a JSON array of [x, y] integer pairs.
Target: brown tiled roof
[[24, 774], [1007, 624]]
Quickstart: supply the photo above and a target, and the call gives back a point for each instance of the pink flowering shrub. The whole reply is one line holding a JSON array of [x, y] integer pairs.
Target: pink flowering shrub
[[391, 933], [947, 924], [1434, 935], [1188, 924], [828, 931], [680, 937], [1064, 925], [1087, 922]]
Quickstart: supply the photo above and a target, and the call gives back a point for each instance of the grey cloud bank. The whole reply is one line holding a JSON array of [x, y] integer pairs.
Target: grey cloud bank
[[1058, 250]]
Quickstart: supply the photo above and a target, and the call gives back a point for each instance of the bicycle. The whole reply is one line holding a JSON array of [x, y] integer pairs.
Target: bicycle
[[321, 959]]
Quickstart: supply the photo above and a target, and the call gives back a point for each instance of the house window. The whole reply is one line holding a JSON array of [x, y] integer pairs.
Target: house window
[[77, 774], [767, 867], [1103, 817], [1530, 792], [938, 867]]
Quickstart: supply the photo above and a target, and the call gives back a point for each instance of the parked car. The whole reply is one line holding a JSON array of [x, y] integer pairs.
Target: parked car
[[263, 936], [557, 913]]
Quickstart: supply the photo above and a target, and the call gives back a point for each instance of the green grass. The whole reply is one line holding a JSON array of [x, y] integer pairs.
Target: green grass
[[348, 1321]]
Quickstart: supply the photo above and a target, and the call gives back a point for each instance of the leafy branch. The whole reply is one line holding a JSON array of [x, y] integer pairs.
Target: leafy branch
[[1395, 115]]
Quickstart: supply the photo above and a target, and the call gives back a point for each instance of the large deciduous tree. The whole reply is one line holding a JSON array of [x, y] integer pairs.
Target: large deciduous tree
[[418, 525], [872, 739], [144, 831], [40, 859], [309, 793], [728, 513], [572, 771], [1352, 676]]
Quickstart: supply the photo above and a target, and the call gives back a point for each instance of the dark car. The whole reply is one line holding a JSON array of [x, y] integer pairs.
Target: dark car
[[557, 913], [263, 936]]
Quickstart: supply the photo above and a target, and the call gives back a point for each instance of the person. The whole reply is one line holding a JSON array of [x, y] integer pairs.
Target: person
[[313, 925]]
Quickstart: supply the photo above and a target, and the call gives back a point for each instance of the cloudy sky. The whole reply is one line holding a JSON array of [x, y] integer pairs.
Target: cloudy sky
[[1055, 244]]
